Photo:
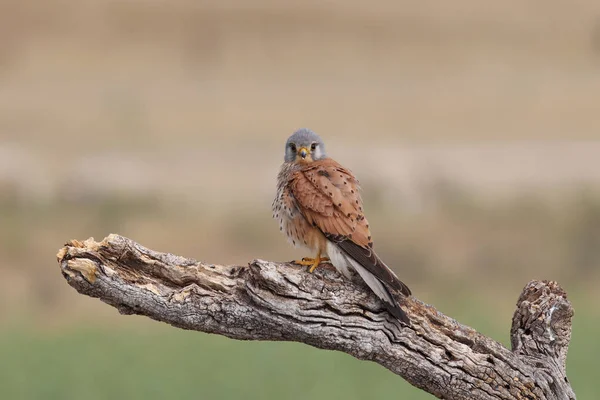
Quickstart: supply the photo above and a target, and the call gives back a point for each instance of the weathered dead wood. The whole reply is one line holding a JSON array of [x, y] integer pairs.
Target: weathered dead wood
[[278, 301]]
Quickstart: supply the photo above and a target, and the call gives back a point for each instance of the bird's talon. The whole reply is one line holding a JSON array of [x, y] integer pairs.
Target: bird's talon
[[313, 263], [314, 266], [306, 262]]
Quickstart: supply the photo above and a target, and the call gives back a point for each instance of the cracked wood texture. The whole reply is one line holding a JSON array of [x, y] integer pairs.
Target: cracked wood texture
[[278, 301]]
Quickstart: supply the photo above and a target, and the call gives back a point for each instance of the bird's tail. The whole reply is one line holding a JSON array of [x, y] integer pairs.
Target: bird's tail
[[342, 261], [380, 289]]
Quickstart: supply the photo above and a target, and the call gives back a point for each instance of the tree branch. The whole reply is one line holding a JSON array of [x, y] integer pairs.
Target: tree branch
[[278, 301]]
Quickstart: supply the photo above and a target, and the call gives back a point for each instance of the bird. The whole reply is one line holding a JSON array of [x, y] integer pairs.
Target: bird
[[319, 208]]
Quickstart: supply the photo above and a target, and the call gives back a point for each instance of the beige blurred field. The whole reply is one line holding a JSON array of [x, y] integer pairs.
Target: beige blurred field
[[474, 128]]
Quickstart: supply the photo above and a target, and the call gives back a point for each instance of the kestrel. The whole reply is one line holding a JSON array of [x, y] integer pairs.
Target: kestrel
[[319, 208]]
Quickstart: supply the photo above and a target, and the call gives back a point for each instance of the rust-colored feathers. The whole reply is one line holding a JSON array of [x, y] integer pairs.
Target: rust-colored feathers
[[328, 197]]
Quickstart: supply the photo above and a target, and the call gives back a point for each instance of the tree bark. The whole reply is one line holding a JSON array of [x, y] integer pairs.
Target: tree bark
[[278, 301]]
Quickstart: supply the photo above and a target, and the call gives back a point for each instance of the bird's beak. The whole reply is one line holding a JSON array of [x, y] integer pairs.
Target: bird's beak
[[303, 152]]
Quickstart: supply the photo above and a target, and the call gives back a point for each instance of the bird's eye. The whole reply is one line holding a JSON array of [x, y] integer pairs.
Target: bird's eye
[[293, 147], [313, 146]]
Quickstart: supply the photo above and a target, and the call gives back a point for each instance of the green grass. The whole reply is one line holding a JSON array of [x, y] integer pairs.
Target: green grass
[[170, 363], [160, 362]]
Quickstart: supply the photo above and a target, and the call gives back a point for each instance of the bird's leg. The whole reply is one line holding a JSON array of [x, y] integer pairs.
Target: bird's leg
[[313, 263]]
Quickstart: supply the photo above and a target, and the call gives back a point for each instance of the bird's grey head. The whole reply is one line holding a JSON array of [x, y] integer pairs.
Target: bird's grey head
[[304, 146]]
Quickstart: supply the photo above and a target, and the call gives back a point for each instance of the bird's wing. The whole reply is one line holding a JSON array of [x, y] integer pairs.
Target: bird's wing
[[328, 196]]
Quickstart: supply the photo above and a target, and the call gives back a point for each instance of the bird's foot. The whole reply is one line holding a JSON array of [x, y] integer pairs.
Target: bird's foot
[[313, 263]]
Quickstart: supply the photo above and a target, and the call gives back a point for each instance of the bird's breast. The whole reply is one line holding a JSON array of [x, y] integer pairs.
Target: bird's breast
[[294, 225]]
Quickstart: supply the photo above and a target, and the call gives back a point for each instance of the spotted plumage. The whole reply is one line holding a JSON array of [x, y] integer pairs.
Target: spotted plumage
[[319, 207]]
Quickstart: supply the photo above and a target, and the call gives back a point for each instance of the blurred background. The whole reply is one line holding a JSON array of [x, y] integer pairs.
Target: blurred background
[[474, 129]]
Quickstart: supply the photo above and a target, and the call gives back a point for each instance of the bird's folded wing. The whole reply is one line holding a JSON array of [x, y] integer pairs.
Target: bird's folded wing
[[328, 196]]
